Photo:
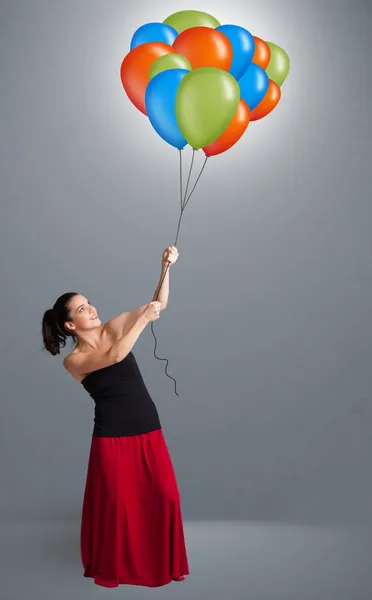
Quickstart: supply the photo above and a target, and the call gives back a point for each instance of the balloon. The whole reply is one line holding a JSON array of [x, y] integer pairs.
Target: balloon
[[169, 61], [269, 102], [135, 68], [253, 85], [184, 19], [206, 102], [243, 48], [160, 105], [278, 67], [153, 32], [205, 47], [233, 132], [262, 53]]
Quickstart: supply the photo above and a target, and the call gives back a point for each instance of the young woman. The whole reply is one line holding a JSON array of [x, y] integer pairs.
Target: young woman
[[131, 524]]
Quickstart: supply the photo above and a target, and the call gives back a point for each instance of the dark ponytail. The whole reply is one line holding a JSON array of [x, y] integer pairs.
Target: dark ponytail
[[53, 331]]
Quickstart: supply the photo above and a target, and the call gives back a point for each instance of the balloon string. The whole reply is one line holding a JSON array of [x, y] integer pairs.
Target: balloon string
[[183, 206], [180, 151], [188, 180], [202, 169]]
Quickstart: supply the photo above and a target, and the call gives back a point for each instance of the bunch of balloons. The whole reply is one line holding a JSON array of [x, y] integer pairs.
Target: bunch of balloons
[[200, 82]]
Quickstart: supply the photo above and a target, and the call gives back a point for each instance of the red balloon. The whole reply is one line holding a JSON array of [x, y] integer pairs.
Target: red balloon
[[205, 47], [233, 132], [268, 103], [135, 69], [262, 53]]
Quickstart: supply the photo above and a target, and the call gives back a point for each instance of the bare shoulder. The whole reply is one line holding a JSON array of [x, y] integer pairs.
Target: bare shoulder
[[80, 363], [71, 363]]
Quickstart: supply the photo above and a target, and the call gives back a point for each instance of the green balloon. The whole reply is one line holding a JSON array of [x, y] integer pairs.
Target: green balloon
[[278, 67], [169, 61], [206, 101], [184, 19]]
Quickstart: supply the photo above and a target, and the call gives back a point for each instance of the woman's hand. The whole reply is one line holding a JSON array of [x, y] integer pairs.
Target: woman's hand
[[170, 255]]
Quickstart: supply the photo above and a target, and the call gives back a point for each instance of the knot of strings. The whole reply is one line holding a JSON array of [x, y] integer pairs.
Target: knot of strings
[[184, 201]]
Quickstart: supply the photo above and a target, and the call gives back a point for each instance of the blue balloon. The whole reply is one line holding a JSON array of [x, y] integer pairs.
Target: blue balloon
[[253, 85], [160, 101], [243, 48], [153, 32]]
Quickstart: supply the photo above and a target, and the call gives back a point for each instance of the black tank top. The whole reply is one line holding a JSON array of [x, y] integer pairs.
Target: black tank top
[[123, 405]]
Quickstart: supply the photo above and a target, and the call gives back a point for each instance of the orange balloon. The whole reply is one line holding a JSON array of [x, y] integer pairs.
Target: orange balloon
[[233, 132], [262, 53], [205, 47], [268, 103], [135, 69]]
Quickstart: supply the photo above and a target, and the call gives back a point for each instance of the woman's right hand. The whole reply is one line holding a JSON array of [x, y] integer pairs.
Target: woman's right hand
[[152, 310]]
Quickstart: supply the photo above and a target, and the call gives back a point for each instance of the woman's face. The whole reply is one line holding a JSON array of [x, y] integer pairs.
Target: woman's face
[[83, 314]]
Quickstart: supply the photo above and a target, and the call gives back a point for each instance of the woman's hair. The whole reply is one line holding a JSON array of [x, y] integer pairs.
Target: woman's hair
[[53, 331]]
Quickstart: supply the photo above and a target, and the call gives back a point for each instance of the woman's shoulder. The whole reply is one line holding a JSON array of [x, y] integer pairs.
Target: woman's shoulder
[[79, 362], [71, 356], [70, 363], [77, 353]]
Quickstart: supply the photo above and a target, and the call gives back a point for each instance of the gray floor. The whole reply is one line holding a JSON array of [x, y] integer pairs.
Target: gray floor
[[228, 560]]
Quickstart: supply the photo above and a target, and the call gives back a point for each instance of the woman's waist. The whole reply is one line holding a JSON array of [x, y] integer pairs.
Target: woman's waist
[[114, 397], [122, 404], [125, 419]]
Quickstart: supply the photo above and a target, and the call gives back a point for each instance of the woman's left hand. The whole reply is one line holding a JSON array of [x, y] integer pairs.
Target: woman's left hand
[[170, 255]]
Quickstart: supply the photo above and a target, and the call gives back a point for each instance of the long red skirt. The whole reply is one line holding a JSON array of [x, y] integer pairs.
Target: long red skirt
[[131, 526]]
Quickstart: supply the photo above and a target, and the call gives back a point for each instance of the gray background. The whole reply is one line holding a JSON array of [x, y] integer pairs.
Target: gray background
[[268, 327]]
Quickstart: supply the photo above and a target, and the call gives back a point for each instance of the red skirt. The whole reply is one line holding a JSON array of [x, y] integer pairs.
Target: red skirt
[[131, 525]]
